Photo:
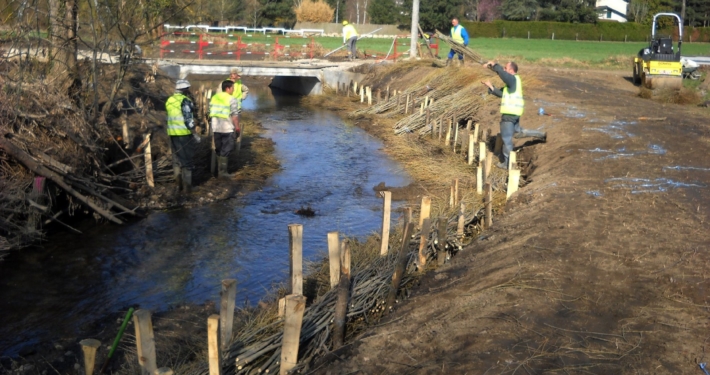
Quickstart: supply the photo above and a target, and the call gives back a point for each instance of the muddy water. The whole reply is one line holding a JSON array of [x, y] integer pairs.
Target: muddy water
[[61, 290]]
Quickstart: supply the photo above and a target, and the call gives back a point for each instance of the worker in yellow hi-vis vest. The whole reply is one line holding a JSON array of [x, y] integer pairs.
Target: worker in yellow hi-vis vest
[[511, 108], [459, 35], [350, 39], [181, 130]]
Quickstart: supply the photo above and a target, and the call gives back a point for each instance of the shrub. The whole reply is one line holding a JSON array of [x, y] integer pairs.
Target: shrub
[[313, 11]]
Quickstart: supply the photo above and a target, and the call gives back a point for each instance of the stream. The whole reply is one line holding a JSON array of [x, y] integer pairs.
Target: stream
[[60, 289]]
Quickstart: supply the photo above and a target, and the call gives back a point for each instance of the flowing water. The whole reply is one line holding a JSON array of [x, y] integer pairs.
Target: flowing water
[[60, 290]]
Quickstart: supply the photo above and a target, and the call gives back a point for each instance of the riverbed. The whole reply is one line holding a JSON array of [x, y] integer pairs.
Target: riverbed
[[61, 289]]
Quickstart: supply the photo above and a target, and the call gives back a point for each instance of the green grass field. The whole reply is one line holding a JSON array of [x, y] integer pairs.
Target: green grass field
[[543, 51]]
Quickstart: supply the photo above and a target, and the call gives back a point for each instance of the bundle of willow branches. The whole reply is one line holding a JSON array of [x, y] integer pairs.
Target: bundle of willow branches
[[460, 48]]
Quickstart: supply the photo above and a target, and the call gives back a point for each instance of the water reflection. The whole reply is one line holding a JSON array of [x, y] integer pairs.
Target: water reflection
[[180, 256]]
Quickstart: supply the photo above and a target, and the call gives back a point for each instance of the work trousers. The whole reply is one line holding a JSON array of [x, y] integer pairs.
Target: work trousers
[[224, 143], [183, 149], [352, 50], [510, 128], [452, 53]]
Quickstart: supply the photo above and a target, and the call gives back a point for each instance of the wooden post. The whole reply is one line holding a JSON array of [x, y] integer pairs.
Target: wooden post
[[451, 195], [337, 88], [379, 95], [368, 92], [362, 94], [479, 178], [481, 151], [426, 101], [448, 134], [334, 258], [163, 371], [512, 162], [387, 96], [341, 305], [425, 210], [226, 311], [489, 165], [295, 240], [407, 215], [282, 305], [355, 88], [428, 115], [401, 266], [406, 107], [145, 341], [89, 346], [456, 191], [471, 148], [499, 144], [456, 135], [213, 344], [386, 207], [441, 241], [423, 241], [398, 100], [441, 125], [148, 162], [459, 229], [421, 108], [295, 306], [513, 181], [124, 127], [488, 202], [475, 133]]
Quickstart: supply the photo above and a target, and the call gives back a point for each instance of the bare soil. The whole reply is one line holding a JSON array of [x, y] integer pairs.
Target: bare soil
[[598, 265]]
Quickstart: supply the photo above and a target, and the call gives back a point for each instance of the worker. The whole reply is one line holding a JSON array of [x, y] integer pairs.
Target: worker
[[224, 111], [181, 130], [240, 90], [350, 38], [511, 108], [459, 35]]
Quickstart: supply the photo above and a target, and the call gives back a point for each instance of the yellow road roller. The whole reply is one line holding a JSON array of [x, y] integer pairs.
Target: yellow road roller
[[658, 65]]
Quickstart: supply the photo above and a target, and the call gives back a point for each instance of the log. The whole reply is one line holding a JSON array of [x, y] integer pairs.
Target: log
[[24, 158]]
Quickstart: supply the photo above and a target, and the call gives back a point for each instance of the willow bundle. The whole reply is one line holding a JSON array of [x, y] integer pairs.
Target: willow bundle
[[464, 105], [460, 48]]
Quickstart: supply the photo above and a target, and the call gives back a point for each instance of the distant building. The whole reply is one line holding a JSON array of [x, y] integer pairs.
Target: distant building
[[612, 10]]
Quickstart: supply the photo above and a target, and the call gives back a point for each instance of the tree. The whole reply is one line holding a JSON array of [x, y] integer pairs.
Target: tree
[[489, 10], [435, 14], [382, 11], [519, 10], [277, 12], [313, 11], [637, 11]]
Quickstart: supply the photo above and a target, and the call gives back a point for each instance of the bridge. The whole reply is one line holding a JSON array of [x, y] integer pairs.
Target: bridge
[[304, 77]]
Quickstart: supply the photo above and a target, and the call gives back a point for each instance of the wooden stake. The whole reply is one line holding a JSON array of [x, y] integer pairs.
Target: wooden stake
[[447, 141], [456, 135], [407, 215], [341, 305], [512, 162], [481, 151], [451, 195], [334, 258], [475, 133], [89, 347], [282, 304], [355, 88], [148, 162], [479, 178], [424, 239], [295, 240], [489, 166], [406, 107], [488, 201], [459, 229], [213, 344], [428, 114], [498, 145], [226, 311], [124, 126], [379, 95], [441, 241], [145, 341], [387, 95], [401, 266], [441, 126], [386, 217], [471, 148], [513, 181], [456, 191], [426, 101], [425, 210], [362, 94], [164, 371], [421, 109], [295, 306], [368, 92]]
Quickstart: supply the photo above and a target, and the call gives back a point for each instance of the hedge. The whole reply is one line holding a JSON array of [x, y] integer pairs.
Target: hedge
[[608, 31]]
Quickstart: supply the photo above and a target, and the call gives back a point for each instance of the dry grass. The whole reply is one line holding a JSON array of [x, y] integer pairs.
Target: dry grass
[[684, 96]]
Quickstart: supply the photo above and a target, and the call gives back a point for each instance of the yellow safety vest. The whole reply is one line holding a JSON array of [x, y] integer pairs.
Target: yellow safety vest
[[513, 104], [349, 31], [176, 122], [237, 94], [456, 34], [219, 105]]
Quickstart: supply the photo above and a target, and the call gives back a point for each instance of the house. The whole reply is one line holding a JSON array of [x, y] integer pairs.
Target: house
[[612, 10]]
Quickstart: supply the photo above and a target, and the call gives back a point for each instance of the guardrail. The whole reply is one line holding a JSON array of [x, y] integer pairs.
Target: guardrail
[[208, 45]]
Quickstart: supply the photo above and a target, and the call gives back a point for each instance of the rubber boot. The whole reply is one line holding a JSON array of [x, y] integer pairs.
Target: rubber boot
[[178, 177], [186, 181], [448, 62], [223, 165]]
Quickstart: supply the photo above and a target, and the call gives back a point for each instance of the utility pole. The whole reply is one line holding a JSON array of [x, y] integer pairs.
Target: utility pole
[[415, 32], [682, 15]]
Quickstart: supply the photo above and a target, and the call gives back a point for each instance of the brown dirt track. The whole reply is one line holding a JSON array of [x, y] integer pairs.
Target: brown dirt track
[[587, 270]]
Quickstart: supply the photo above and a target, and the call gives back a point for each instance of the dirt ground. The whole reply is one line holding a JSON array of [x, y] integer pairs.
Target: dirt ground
[[597, 265]]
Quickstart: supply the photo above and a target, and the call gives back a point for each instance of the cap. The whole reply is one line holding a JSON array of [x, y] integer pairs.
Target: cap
[[235, 70], [182, 84], [345, 23]]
